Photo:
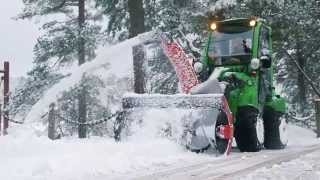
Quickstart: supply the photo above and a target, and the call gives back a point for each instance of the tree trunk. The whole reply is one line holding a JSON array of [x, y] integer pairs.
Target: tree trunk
[[82, 131], [136, 14], [302, 86], [317, 109], [136, 17], [6, 79]]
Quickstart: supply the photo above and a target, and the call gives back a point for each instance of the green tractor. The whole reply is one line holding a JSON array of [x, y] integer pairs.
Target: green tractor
[[239, 52], [231, 89]]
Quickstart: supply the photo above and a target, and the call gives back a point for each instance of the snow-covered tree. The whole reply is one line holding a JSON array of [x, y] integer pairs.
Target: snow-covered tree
[[185, 21], [39, 79], [62, 32], [299, 24], [69, 34]]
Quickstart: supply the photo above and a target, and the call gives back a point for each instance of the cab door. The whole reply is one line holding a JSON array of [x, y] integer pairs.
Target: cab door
[[265, 74]]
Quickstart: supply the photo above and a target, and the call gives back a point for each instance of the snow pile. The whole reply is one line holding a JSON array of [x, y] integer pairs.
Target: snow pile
[[156, 122]]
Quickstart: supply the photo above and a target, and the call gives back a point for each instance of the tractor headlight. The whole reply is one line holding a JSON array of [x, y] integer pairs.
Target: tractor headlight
[[253, 23], [198, 67], [255, 63], [213, 26]]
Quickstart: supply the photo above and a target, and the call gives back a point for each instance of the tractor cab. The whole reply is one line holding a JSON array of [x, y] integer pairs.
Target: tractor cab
[[241, 41], [231, 43]]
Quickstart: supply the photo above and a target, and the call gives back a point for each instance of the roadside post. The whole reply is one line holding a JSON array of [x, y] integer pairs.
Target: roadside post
[[6, 81], [317, 108]]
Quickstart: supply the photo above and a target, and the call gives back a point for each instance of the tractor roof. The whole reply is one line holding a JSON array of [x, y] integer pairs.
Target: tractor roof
[[235, 20], [235, 25], [239, 21]]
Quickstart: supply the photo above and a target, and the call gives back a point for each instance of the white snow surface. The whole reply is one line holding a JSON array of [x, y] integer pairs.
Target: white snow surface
[[304, 168], [24, 155]]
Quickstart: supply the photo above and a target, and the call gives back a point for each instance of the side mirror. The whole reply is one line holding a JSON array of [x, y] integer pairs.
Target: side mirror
[[198, 67], [265, 61]]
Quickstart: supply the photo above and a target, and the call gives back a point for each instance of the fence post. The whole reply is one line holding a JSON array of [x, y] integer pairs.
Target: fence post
[[0, 119], [6, 97], [317, 108], [52, 122]]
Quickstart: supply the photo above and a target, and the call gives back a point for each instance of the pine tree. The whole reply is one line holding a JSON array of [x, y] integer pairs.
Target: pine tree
[[298, 23], [59, 43], [185, 21], [71, 36]]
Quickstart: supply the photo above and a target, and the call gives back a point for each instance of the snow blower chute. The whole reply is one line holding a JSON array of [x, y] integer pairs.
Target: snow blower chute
[[234, 92]]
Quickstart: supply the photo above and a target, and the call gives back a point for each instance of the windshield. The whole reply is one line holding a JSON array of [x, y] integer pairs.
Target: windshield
[[231, 48]]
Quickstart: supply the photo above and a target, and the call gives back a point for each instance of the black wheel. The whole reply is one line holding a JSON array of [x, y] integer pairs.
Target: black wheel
[[245, 130], [273, 126], [221, 143]]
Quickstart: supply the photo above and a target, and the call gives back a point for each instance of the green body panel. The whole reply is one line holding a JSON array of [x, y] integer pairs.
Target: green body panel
[[277, 103], [247, 93]]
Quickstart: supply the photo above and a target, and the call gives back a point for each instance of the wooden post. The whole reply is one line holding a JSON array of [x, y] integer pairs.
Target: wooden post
[[6, 98], [0, 118], [52, 122], [317, 108]]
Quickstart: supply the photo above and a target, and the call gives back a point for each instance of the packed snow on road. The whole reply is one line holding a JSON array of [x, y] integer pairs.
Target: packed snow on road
[[25, 155]]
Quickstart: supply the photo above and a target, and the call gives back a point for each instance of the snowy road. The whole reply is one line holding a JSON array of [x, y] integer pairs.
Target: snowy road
[[306, 167], [236, 166]]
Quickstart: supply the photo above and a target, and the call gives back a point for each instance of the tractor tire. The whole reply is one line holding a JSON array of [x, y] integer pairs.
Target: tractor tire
[[221, 144], [245, 130], [271, 122]]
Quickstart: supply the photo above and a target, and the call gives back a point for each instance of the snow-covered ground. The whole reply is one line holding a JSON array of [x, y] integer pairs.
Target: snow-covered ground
[[24, 155], [304, 168]]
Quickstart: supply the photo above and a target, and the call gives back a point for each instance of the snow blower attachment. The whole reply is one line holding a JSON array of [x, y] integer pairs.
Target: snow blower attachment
[[205, 119]]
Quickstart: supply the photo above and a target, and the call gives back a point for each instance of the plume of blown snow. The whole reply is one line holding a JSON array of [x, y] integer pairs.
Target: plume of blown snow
[[113, 61]]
